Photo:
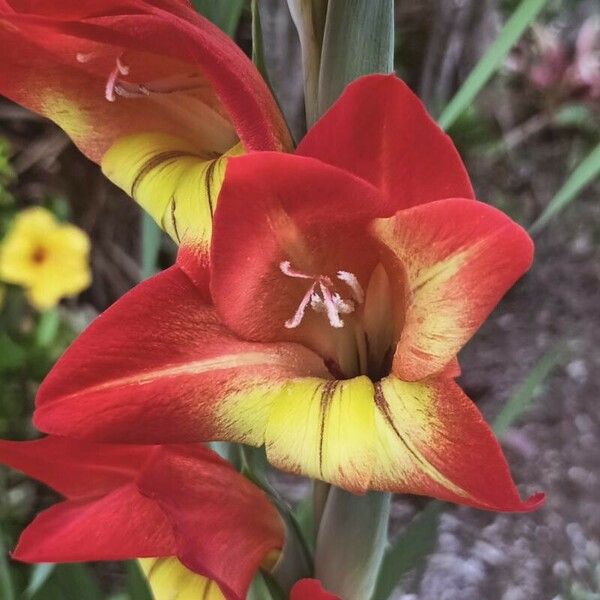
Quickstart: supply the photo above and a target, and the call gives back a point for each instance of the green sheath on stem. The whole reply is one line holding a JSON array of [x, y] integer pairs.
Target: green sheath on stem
[[351, 541]]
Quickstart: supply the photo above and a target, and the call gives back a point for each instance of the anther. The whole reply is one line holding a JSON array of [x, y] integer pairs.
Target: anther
[[322, 297]]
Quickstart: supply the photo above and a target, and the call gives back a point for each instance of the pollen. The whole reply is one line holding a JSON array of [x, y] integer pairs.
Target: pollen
[[323, 297]]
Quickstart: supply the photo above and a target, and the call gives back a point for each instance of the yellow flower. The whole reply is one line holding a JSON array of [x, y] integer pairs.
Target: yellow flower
[[49, 259]]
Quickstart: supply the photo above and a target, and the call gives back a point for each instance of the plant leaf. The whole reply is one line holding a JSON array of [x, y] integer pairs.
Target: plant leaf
[[309, 18], [351, 541], [258, 47], [409, 550], [587, 170], [522, 400], [517, 24], [39, 575], [358, 40], [151, 242], [137, 585], [225, 14]]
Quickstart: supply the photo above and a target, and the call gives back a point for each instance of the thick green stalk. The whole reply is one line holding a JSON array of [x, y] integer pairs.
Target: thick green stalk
[[351, 541], [358, 40]]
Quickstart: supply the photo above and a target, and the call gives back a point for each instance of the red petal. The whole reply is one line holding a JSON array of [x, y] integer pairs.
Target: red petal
[[120, 526], [157, 367], [75, 469], [310, 589], [380, 131], [157, 40], [224, 525], [275, 208], [458, 257], [431, 440]]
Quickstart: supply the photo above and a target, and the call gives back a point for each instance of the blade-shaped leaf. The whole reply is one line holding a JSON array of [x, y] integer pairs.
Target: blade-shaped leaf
[[584, 174], [523, 398], [351, 541], [517, 24], [225, 14], [358, 40], [409, 551]]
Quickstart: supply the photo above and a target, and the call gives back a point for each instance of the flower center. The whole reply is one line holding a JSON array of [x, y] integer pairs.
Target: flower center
[[38, 256], [322, 296]]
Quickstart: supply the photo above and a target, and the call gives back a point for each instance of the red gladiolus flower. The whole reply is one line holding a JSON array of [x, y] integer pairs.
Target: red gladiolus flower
[[310, 589], [343, 282], [147, 88], [180, 508]]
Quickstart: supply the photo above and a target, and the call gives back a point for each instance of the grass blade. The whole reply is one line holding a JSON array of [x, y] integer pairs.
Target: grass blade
[[521, 401], [517, 24], [587, 170], [137, 585], [409, 551], [7, 587]]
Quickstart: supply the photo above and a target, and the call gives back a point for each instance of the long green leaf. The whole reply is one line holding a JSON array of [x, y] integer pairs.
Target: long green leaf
[[517, 24], [408, 552], [584, 174], [309, 17], [358, 40], [39, 575], [70, 582], [7, 586], [258, 47], [137, 585], [351, 542], [522, 400], [225, 14], [151, 241]]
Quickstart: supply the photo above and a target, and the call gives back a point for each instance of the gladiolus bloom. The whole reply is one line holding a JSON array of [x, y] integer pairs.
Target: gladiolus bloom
[[47, 258], [310, 589], [149, 89], [343, 281], [197, 525]]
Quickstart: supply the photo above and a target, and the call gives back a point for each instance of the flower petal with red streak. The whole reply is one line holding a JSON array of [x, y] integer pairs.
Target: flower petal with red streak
[[380, 131], [224, 525], [459, 257], [158, 367], [310, 589], [119, 526], [431, 440]]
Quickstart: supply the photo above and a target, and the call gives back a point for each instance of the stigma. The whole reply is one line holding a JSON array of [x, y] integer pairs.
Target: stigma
[[322, 296]]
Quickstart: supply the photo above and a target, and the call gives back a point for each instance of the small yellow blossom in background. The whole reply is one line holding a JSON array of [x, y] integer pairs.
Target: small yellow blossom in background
[[48, 258]]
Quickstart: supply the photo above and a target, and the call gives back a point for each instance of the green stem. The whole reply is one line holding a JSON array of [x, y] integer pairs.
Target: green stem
[[351, 542], [47, 328]]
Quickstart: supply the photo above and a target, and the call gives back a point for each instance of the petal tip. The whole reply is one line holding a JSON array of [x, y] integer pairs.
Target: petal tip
[[534, 502]]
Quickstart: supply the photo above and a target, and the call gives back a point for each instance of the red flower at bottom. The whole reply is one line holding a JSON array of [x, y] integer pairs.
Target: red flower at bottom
[[126, 501], [311, 589]]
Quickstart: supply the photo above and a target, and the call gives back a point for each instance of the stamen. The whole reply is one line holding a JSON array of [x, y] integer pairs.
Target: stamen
[[332, 312], [352, 282], [287, 269], [328, 301], [120, 69], [299, 315]]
